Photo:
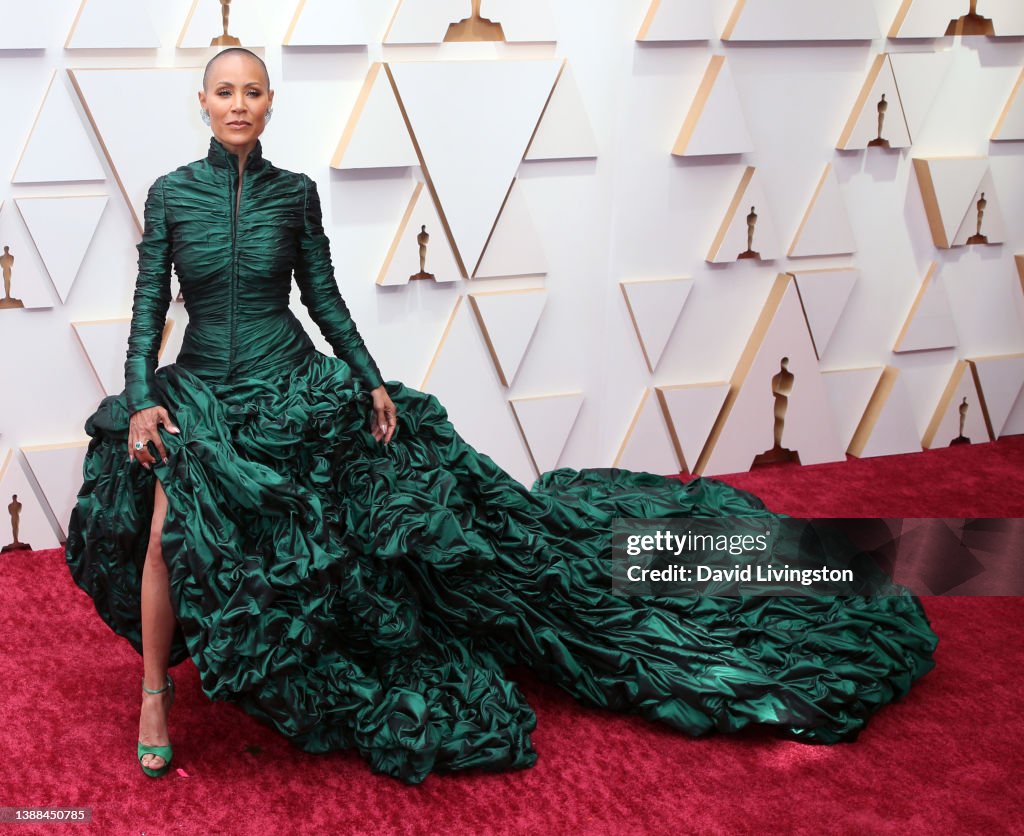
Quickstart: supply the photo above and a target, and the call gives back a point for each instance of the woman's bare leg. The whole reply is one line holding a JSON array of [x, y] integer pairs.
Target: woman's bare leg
[[157, 632]]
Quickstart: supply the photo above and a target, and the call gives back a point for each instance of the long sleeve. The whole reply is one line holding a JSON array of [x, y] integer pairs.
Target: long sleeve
[[314, 274], [152, 299]]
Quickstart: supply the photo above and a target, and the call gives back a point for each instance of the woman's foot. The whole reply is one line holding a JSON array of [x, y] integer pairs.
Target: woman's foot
[[153, 724]]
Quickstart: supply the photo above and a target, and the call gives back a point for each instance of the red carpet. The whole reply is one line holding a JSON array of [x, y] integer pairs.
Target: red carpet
[[944, 760]]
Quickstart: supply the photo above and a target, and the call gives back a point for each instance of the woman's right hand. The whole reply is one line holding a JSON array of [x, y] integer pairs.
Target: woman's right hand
[[142, 426]]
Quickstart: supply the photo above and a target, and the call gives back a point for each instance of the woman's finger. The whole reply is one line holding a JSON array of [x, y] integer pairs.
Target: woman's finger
[[158, 442], [165, 419]]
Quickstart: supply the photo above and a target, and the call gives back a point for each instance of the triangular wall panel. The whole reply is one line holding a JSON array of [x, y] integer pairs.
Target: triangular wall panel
[[471, 153], [887, 426], [328, 23], [654, 307], [949, 188], [692, 410], [376, 135], [920, 77], [546, 422], [984, 217], [112, 24], [30, 287], [1000, 380], [1010, 125], [825, 228], [403, 259], [564, 132], [24, 31], [715, 123], [780, 344], [58, 471], [877, 117], [62, 229], [677, 20], [59, 148], [849, 392], [508, 319], [733, 240], [929, 324], [480, 412], [514, 248], [647, 446], [33, 525], [958, 417], [104, 342], [104, 92], [823, 295], [799, 20]]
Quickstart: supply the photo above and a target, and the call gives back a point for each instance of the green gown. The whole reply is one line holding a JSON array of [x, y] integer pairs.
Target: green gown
[[353, 595]]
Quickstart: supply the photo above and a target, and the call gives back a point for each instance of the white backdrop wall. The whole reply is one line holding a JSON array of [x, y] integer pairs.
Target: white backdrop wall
[[634, 212]]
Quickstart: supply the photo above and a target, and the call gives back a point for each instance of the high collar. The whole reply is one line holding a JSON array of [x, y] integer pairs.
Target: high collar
[[221, 157]]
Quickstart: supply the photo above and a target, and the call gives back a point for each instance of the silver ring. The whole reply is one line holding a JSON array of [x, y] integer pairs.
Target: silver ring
[[139, 445]]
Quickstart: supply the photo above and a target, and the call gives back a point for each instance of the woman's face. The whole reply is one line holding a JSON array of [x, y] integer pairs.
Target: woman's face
[[237, 97]]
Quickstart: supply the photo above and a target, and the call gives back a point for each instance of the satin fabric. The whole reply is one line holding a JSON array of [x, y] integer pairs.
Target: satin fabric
[[357, 596]]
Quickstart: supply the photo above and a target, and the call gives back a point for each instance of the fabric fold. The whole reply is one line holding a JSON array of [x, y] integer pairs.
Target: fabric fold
[[353, 595]]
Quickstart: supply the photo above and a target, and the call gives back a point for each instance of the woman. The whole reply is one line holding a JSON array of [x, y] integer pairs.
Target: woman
[[365, 588]]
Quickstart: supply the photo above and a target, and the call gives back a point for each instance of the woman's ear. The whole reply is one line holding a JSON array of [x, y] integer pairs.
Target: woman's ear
[[202, 99]]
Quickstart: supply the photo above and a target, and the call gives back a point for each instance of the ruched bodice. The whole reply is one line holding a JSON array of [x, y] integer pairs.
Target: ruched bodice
[[235, 263]]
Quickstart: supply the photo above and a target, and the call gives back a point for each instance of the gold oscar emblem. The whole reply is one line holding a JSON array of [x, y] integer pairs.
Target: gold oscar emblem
[[878, 142], [971, 23], [224, 39], [782, 386], [751, 227], [978, 238], [474, 28], [961, 438], [422, 240], [7, 265], [14, 509]]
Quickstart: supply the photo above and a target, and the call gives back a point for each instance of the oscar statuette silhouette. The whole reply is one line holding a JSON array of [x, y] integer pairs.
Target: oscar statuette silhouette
[[422, 240], [224, 39], [14, 509], [7, 265], [961, 438], [978, 238], [782, 387], [971, 23], [474, 28]]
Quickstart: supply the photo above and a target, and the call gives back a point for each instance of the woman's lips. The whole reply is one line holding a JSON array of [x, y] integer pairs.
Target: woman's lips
[[239, 124]]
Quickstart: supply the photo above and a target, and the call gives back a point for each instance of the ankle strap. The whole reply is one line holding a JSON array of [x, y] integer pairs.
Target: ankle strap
[[158, 690]]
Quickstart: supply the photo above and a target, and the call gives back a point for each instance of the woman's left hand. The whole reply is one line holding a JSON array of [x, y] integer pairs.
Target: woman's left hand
[[385, 416]]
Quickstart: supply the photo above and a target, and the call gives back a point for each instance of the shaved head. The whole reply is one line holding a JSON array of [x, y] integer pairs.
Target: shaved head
[[228, 51]]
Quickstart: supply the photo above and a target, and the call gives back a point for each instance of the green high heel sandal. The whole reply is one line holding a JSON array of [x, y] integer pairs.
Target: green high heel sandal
[[159, 751]]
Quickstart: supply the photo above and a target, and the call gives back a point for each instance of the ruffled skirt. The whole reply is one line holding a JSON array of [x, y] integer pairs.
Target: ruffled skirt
[[353, 595]]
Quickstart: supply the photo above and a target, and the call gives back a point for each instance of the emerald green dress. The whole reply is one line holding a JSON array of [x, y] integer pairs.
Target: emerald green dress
[[360, 596]]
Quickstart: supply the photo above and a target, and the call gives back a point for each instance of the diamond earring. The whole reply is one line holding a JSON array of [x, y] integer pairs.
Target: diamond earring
[[268, 114], [204, 114]]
